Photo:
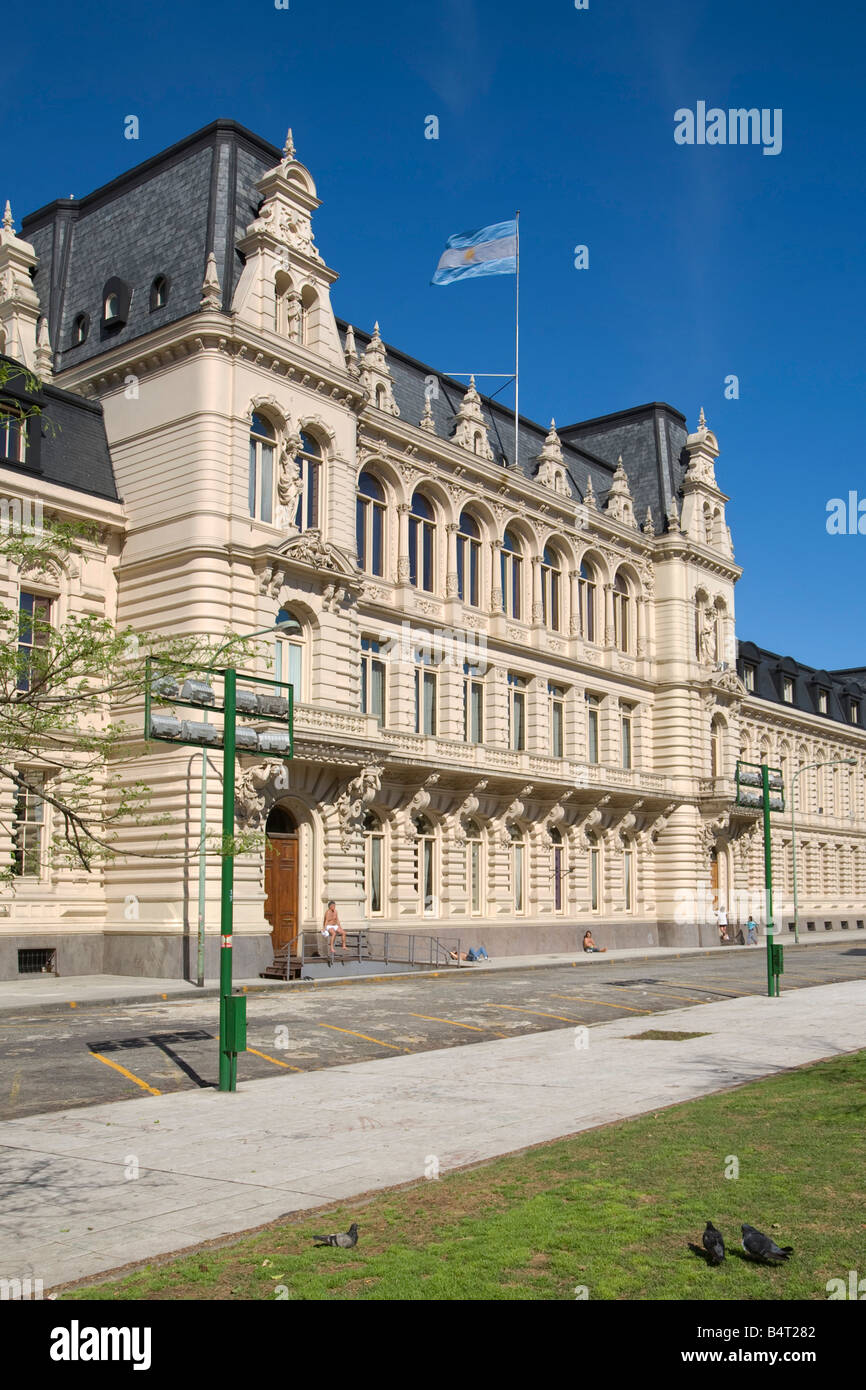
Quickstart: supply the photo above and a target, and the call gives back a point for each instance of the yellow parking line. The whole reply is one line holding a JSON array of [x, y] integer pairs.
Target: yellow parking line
[[585, 999], [539, 1012], [353, 1034], [137, 1079], [431, 1018], [276, 1061]]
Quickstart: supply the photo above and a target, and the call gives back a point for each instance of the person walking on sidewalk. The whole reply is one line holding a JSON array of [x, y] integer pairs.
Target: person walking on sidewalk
[[752, 930], [722, 915]]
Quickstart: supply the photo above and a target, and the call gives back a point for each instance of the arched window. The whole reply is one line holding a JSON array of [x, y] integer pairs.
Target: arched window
[[586, 589], [716, 748], [380, 397], [551, 581], [159, 293], [111, 307], [422, 544], [512, 569], [263, 440], [374, 864], [621, 615], [309, 315], [518, 869], [425, 866], [474, 867], [370, 524], [289, 653], [558, 867], [80, 329], [309, 461], [469, 560], [477, 445]]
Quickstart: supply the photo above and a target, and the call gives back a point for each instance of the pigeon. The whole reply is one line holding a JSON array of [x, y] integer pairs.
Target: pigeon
[[713, 1244], [762, 1248], [344, 1241]]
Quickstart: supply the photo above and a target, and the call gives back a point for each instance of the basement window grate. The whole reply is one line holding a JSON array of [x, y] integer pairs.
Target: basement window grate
[[37, 962]]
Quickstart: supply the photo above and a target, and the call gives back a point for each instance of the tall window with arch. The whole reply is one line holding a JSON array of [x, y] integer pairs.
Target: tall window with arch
[[374, 864], [511, 559], [289, 653], [309, 462], [469, 560], [263, 442], [370, 513], [557, 856], [716, 747], [621, 614], [587, 588], [425, 866], [551, 589], [474, 867], [422, 544], [518, 869]]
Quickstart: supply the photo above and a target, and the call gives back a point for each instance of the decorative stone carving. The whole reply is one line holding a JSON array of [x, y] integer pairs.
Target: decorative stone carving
[[470, 429], [619, 503], [551, 467], [211, 294], [350, 353], [256, 789], [352, 804], [376, 375], [589, 497]]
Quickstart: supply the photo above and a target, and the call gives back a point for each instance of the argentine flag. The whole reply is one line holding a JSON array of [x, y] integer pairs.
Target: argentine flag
[[490, 251]]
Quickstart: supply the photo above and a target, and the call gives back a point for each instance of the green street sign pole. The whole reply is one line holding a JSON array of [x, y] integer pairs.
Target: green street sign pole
[[228, 1066], [772, 977]]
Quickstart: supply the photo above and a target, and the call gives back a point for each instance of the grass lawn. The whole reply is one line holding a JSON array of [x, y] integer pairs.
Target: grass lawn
[[612, 1209]]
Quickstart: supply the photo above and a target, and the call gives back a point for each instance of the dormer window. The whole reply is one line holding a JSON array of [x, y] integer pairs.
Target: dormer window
[[159, 293], [854, 712], [116, 298], [823, 702], [80, 329], [13, 434], [787, 690], [749, 677]]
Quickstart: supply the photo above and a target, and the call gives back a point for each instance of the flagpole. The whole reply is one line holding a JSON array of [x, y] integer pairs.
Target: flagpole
[[516, 334]]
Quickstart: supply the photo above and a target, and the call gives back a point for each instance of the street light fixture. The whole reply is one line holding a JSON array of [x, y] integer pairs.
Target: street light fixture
[[829, 762]]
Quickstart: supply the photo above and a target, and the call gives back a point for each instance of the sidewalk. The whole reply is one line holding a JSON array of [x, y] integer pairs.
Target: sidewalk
[[23, 995], [213, 1164]]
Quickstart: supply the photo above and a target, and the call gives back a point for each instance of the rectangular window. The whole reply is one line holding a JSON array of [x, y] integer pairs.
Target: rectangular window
[[556, 695], [593, 879], [475, 876], [628, 881], [426, 697], [625, 722], [788, 691], [823, 702], [516, 712], [372, 679], [27, 829], [473, 707], [855, 712], [592, 712], [374, 850], [34, 618], [749, 677]]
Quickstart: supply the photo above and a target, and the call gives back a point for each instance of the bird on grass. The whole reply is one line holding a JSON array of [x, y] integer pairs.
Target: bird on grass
[[345, 1240], [761, 1247], [713, 1244]]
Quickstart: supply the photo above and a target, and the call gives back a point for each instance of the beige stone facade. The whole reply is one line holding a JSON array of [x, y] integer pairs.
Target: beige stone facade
[[518, 707]]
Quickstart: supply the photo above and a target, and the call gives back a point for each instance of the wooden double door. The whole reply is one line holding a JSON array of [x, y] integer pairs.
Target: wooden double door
[[281, 889]]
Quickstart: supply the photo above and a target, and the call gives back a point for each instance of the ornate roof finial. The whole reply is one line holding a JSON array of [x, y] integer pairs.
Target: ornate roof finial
[[43, 350], [648, 526], [351, 352], [211, 295], [427, 422], [589, 496], [702, 420], [289, 147], [8, 224]]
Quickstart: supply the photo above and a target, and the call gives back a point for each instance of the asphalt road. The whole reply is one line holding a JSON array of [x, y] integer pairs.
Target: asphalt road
[[110, 1052]]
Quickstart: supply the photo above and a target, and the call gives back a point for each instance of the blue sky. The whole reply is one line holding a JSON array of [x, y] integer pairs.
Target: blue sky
[[704, 261]]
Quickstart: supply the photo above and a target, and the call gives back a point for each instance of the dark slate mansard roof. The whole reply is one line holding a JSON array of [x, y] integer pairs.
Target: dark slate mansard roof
[[67, 444], [161, 218], [841, 686]]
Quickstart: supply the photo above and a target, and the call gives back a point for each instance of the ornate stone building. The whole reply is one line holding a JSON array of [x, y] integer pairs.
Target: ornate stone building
[[518, 695]]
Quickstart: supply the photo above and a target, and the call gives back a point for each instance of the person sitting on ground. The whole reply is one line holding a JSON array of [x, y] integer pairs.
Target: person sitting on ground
[[590, 946], [331, 924]]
